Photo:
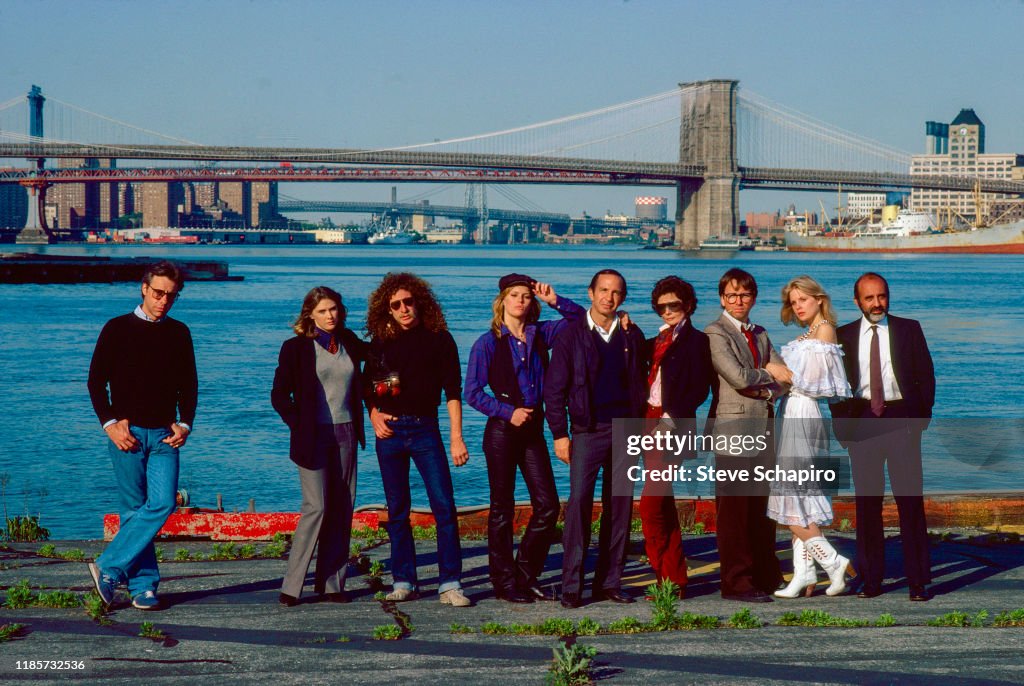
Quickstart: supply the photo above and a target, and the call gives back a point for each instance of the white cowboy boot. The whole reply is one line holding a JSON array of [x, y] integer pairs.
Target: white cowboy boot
[[834, 564], [805, 576]]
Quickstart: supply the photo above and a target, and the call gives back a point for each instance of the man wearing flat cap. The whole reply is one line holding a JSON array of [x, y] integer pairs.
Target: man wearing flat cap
[[510, 360]]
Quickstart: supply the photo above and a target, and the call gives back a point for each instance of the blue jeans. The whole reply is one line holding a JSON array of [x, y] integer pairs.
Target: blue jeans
[[147, 483], [419, 439]]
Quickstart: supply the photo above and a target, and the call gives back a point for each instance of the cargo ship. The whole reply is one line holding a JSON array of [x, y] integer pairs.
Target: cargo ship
[[913, 232]]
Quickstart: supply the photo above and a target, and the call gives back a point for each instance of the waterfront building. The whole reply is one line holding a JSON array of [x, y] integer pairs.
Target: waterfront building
[[864, 204], [13, 206], [966, 156]]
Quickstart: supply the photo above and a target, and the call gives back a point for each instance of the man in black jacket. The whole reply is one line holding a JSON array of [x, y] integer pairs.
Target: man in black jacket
[[893, 380], [148, 362], [597, 373]]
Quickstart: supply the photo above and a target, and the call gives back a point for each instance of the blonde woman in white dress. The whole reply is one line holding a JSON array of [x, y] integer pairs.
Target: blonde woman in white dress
[[815, 360]]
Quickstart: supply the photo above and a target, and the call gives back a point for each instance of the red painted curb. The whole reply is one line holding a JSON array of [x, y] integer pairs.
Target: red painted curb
[[949, 510]]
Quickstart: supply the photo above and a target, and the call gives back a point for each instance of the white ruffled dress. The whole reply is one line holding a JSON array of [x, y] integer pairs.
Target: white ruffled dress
[[802, 437]]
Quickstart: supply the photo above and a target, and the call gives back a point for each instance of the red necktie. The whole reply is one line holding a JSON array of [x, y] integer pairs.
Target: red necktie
[[752, 344], [875, 375], [333, 347]]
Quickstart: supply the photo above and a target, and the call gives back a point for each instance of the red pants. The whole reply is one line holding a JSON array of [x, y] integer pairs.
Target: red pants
[[660, 521]]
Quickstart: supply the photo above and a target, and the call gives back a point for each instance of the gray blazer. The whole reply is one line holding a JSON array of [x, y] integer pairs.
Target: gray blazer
[[739, 389]]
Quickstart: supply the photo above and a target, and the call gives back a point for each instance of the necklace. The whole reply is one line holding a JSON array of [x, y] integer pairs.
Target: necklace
[[810, 332]]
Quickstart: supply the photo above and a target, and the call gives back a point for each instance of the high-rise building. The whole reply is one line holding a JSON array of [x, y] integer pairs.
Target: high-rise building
[[77, 203], [161, 203], [13, 206], [263, 196], [966, 157], [237, 197]]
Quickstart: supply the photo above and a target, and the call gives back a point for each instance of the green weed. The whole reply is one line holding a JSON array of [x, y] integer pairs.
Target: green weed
[[664, 598], [9, 631], [960, 619], [48, 550], [387, 632], [817, 618], [1012, 618], [885, 620], [745, 619], [58, 599], [587, 627], [95, 608], [19, 596], [570, 665], [457, 628], [627, 625], [182, 555], [147, 630]]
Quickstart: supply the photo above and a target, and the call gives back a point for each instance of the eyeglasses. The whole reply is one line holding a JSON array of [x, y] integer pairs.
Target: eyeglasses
[[742, 297], [671, 306], [397, 304], [160, 295]]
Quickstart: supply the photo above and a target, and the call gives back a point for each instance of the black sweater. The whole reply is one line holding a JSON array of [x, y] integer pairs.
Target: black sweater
[[150, 368], [425, 361]]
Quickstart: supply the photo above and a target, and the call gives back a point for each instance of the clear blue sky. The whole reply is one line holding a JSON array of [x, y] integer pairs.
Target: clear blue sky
[[369, 74]]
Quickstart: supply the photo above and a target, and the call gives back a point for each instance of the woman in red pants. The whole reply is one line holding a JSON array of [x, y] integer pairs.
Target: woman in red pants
[[679, 382]]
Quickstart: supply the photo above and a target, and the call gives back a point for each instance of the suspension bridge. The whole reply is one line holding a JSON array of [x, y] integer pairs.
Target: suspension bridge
[[705, 139]]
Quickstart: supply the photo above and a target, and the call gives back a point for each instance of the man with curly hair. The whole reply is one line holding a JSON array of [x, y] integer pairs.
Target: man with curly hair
[[412, 358]]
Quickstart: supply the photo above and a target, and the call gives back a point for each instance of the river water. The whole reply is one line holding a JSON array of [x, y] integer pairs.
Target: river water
[[54, 451]]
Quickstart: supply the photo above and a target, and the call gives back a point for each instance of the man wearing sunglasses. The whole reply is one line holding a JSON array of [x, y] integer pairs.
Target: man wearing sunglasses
[[146, 361], [747, 381]]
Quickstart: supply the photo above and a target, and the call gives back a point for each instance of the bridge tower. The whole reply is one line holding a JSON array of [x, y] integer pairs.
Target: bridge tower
[[35, 230], [707, 136]]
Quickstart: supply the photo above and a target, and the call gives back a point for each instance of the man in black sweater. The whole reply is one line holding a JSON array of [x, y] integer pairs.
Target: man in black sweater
[[597, 374], [147, 361]]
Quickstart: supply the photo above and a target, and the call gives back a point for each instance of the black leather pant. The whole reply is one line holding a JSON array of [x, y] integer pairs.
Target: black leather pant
[[507, 447]]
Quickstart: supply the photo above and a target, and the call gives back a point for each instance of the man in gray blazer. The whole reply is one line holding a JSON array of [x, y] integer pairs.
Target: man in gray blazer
[[749, 377]]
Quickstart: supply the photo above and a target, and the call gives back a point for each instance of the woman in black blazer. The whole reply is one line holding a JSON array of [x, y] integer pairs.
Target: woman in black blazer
[[317, 393], [678, 381]]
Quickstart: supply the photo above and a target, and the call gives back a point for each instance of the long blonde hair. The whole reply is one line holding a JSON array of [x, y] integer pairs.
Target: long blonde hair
[[498, 308], [808, 286]]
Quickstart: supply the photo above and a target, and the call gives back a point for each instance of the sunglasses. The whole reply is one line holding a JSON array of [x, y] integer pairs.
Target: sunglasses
[[673, 306], [160, 295], [397, 304]]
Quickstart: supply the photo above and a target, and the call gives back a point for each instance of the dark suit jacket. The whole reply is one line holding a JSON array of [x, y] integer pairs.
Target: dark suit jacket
[[294, 395], [911, 364], [686, 372], [572, 377]]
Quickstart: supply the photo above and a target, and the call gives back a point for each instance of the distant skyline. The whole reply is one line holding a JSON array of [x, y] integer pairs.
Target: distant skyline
[[352, 74]]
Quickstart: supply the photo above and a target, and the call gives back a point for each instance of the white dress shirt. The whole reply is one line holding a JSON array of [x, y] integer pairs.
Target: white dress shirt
[[889, 385], [594, 326]]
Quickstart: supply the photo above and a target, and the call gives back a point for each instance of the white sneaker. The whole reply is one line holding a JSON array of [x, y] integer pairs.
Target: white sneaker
[[399, 595], [455, 597]]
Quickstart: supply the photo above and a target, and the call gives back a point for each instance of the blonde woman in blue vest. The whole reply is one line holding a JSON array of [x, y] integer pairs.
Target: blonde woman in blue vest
[[505, 381]]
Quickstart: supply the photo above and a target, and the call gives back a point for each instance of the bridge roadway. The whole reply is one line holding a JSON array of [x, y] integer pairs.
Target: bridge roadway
[[482, 164]]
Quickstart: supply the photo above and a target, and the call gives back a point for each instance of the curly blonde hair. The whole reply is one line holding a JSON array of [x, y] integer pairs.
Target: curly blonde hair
[[380, 323], [812, 288]]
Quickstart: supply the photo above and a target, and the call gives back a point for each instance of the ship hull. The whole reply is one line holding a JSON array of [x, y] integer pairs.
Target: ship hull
[[1007, 239]]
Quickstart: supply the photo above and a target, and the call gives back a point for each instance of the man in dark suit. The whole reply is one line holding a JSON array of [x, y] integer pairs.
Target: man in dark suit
[[748, 378], [597, 374], [893, 381]]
